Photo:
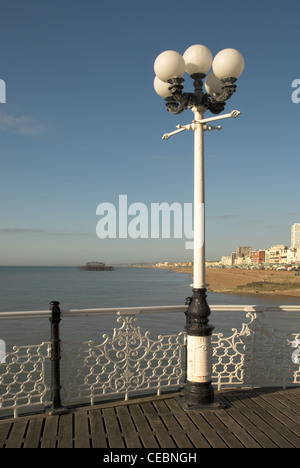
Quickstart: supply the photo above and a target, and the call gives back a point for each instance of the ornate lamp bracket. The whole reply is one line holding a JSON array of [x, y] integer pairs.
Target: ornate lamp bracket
[[179, 101]]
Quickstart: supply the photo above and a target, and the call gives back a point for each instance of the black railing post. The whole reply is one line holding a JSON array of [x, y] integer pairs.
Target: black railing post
[[55, 319]]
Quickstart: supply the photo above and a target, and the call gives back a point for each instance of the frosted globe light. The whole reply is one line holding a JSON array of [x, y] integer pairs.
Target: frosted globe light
[[161, 87], [213, 84], [198, 59], [169, 64], [228, 63]]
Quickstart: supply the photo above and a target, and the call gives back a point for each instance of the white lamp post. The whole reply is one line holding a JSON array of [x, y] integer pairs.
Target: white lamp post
[[169, 68]]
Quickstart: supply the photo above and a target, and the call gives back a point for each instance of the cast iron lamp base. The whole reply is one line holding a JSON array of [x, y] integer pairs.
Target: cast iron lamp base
[[189, 406], [198, 394], [56, 411]]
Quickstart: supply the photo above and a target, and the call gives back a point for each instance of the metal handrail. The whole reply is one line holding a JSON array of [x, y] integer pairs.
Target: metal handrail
[[145, 310]]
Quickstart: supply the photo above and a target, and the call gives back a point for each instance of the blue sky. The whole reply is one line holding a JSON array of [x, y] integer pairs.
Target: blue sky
[[82, 125]]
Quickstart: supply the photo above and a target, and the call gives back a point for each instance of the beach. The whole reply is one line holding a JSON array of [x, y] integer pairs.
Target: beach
[[240, 281]]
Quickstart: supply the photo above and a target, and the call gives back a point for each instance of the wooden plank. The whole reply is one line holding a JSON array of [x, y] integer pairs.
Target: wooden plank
[[97, 429], [280, 434], [292, 394], [229, 438], [283, 405], [129, 432], [33, 434], [160, 432], [253, 425], [176, 431], [81, 430], [114, 436], [4, 431], [16, 436], [143, 427], [210, 435], [230, 417], [191, 430], [284, 416], [256, 418], [65, 431], [49, 436]]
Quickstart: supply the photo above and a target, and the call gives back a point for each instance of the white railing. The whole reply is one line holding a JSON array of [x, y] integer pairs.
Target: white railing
[[127, 360]]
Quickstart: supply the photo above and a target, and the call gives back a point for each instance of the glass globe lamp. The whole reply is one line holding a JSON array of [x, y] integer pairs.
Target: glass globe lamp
[[228, 63], [169, 64], [212, 84], [161, 88], [198, 59]]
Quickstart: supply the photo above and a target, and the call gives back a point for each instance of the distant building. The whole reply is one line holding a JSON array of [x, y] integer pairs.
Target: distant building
[[257, 256], [226, 260], [241, 256], [276, 254], [242, 261], [293, 256], [295, 236], [243, 251]]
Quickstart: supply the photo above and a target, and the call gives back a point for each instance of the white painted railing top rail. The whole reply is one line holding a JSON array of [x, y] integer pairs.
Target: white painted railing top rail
[[127, 360], [145, 310]]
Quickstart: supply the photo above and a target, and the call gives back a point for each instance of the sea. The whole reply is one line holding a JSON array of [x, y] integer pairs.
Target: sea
[[33, 288]]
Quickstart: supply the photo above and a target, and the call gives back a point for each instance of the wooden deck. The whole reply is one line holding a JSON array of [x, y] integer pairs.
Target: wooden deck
[[260, 418]]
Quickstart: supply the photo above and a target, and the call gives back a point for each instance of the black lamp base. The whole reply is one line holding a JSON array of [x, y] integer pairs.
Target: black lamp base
[[199, 396]]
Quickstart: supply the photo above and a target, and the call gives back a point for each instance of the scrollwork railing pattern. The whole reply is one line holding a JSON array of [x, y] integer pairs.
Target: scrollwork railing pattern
[[23, 378], [257, 355], [127, 362]]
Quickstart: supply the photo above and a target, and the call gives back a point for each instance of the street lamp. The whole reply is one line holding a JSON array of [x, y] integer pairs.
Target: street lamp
[[169, 68]]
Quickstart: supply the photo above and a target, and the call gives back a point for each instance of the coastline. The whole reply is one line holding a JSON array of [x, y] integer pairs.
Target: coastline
[[239, 281]]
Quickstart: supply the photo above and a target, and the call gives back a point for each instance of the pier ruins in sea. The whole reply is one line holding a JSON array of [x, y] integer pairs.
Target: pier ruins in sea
[[96, 266]]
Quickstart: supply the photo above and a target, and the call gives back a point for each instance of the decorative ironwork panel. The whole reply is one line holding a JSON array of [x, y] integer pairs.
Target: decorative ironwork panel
[[127, 362], [229, 357], [23, 377], [256, 356]]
